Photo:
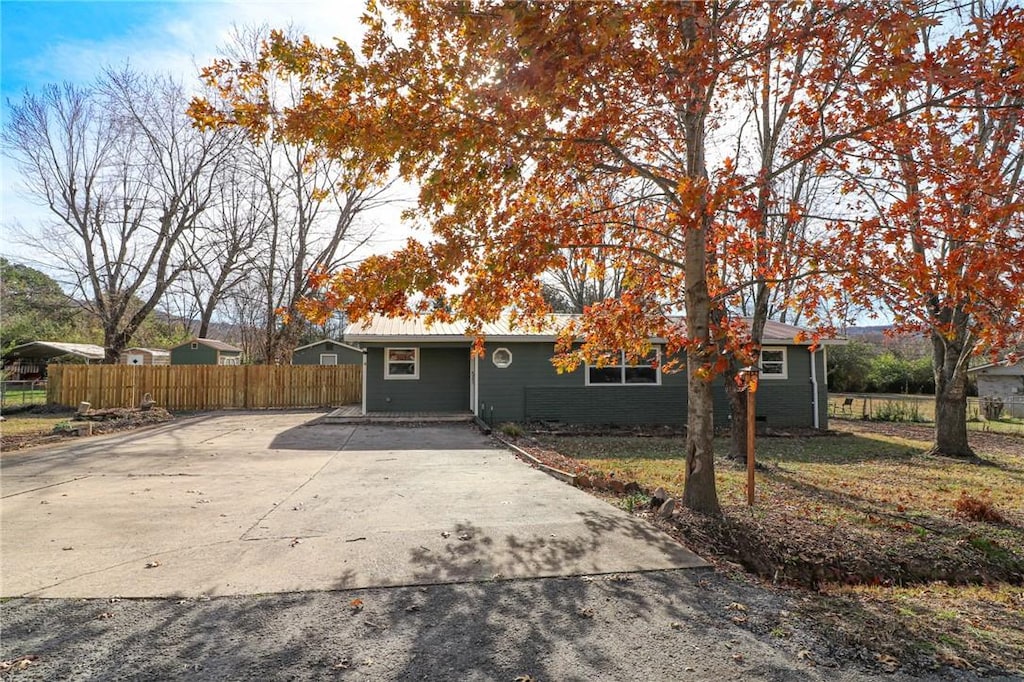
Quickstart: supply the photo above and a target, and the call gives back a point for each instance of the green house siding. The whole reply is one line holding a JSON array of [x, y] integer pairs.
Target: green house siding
[[202, 355], [530, 389], [311, 355], [442, 386]]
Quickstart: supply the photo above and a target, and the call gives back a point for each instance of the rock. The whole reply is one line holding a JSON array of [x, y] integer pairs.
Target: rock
[[666, 509], [658, 498], [632, 487], [584, 482], [616, 486]]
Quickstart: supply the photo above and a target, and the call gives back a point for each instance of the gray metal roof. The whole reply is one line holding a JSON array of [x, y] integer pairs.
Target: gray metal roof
[[53, 349], [212, 343], [395, 329], [334, 341]]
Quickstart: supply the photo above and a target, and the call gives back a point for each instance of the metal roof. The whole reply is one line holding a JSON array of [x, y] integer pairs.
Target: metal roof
[[395, 329], [211, 343], [334, 341], [53, 349], [153, 351]]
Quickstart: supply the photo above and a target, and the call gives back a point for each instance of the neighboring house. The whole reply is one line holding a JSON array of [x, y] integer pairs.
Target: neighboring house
[[327, 352], [413, 367], [145, 356], [1004, 381], [29, 360], [205, 352]]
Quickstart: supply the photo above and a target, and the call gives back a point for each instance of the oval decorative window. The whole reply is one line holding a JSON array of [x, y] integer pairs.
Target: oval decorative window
[[501, 357]]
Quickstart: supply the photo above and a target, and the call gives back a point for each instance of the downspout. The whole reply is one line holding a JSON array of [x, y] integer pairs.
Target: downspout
[[364, 383], [814, 389]]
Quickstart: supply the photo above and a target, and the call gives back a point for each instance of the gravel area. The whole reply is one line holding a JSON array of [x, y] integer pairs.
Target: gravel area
[[687, 624]]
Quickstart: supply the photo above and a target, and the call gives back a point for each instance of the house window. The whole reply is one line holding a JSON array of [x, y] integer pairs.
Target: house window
[[645, 372], [502, 358], [773, 363], [328, 358], [193, 345], [225, 360], [401, 363]]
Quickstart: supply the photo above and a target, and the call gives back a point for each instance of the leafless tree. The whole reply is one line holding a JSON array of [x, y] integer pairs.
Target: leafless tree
[[125, 177]]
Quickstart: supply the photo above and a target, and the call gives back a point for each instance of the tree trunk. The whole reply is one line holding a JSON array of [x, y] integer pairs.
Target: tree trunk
[[114, 343], [738, 414], [950, 400], [699, 493]]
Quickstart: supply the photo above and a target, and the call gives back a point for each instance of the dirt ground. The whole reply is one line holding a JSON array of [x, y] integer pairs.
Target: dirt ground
[[663, 625]]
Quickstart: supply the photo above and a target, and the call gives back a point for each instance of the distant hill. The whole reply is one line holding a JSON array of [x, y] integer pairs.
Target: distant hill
[[869, 330]]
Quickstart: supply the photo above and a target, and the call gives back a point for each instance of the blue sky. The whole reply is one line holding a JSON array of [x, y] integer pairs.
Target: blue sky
[[44, 42]]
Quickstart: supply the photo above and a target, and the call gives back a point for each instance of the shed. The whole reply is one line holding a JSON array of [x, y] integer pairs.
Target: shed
[[327, 352], [1003, 380], [29, 360], [411, 367], [205, 352], [145, 356]]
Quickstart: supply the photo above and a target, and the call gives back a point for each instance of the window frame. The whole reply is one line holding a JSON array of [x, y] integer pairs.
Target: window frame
[[622, 374], [494, 356], [784, 363], [328, 355], [388, 376], [229, 360]]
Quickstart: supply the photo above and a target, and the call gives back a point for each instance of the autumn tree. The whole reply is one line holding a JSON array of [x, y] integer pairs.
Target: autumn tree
[[508, 115], [937, 235], [124, 176]]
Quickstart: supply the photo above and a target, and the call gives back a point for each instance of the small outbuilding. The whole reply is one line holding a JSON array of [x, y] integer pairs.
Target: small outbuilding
[[1003, 380], [206, 352], [29, 360], [327, 352], [145, 356]]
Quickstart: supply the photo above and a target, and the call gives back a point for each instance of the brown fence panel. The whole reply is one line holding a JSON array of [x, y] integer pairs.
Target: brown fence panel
[[205, 387]]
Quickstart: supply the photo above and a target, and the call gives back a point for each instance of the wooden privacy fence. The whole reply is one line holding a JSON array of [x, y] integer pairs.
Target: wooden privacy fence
[[205, 387]]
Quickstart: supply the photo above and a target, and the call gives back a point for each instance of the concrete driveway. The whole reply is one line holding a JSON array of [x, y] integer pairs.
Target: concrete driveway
[[255, 503]]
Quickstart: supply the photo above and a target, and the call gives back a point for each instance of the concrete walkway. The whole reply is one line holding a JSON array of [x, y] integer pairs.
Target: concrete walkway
[[255, 503]]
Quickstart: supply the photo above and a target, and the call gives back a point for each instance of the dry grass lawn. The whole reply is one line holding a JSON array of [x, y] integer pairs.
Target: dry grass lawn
[[913, 557]]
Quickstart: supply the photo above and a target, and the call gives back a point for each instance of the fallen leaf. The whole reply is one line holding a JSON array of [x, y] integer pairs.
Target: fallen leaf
[[445, 534], [356, 604], [67, 549], [585, 612], [739, 620], [888, 663], [524, 678], [948, 657], [412, 607], [296, 541], [676, 625], [737, 657], [342, 664], [736, 606], [153, 564], [105, 615], [19, 663], [465, 536], [804, 655]]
